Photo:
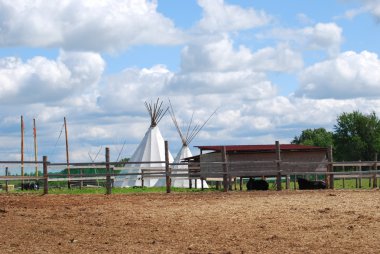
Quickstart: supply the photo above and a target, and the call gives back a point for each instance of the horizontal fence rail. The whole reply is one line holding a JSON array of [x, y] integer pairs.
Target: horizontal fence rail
[[222, 170]]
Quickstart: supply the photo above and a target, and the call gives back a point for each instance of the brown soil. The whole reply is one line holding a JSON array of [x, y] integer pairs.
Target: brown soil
[[236, 222]]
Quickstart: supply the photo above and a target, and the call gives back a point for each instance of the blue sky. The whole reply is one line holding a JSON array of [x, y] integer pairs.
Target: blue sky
[[273, 68]]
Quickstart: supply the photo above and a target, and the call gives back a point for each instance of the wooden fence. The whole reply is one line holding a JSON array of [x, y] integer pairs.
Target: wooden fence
[[284, 170]]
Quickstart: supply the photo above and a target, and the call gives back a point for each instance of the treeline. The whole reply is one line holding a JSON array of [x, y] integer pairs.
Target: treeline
[[356, 136], [89, 170], [74, 171]]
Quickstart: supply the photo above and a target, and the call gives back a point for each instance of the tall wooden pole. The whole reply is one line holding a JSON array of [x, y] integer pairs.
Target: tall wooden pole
[[35, 144], [67, 153], [22, 151]]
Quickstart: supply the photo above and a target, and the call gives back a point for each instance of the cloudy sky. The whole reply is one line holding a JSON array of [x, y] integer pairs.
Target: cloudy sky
[[273, 68]]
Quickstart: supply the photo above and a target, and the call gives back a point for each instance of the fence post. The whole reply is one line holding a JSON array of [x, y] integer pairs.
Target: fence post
[[330, 167], [167, 168], [374, 175], [278, 159], [142, 178], [6, 181], [108, 177], [287, 182], [225, 170], [360, 175], [46, 179]]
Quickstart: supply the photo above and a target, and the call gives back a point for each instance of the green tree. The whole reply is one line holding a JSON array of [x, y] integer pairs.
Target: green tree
[[356, 136], [314, 137], [121, 163]]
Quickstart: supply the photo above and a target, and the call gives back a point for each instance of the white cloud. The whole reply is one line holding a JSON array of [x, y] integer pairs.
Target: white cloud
[[278, 116], [42, 80], [371, 6], [350, 14], [108, 25], [251, 112], [281, 59], [221, 17], [350, 75], [248, 84], [304, 19], [322, 36], [220, 55], [214, 73], [127, 91]]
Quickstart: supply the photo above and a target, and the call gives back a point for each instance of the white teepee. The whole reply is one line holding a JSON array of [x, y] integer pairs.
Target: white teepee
[[151, 148], [191, 132]]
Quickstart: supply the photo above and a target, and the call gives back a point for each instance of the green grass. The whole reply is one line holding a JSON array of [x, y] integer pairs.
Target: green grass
[[62, 189], [353, 184], [102, 190]]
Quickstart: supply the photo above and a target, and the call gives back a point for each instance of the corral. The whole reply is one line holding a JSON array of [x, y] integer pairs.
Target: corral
[[328, 221]]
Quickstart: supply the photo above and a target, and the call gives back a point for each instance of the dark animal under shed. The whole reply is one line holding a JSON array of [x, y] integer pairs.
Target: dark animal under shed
[[260, 184], [30, 186], [305, 184]]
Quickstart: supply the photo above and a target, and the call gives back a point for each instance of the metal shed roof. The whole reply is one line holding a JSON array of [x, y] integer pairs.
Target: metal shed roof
[[261, 148]]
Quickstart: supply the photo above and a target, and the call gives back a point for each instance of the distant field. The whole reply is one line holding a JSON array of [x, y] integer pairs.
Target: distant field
[[338, 221]]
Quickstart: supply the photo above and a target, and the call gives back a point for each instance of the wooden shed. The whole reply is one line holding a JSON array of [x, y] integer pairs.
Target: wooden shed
[[260, 160]]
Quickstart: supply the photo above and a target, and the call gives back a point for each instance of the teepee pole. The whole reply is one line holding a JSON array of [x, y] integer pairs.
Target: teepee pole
[[172, 114], [187, 136], [156, 111]]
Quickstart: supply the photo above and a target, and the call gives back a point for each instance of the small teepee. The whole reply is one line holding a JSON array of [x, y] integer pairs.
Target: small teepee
[[186, 138], [151, 148]]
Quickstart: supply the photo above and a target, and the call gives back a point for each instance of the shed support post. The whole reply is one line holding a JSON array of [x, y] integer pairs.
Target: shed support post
[[287, 182], [225, 170], [278, 160]]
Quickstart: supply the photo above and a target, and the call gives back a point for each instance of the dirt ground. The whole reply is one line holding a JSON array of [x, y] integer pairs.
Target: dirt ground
[[235, 222]]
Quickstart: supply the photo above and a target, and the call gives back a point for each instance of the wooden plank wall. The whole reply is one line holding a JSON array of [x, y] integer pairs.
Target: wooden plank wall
[[262, 164]]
